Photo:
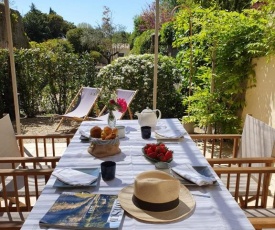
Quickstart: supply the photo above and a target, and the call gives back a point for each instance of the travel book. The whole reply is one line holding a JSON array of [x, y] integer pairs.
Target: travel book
[[84, 211]]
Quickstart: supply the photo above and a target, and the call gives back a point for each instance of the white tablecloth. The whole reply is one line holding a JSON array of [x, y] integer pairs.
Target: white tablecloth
[[217, 210]]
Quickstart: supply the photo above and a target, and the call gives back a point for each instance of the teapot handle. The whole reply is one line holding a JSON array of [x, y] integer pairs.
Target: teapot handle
[[159, 113]]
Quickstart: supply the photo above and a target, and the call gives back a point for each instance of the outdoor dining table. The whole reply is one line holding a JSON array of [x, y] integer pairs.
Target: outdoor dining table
[[215, 207]]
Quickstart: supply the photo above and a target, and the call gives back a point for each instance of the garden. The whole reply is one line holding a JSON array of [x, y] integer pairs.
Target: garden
[[204, 79]]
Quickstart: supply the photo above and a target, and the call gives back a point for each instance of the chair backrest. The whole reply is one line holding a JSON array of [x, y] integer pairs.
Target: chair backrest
[[258, 139], [128, 96], [87, 98], [8, 143]]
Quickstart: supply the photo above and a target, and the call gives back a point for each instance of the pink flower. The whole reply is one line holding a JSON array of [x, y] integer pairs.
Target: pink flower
[[122, 105]]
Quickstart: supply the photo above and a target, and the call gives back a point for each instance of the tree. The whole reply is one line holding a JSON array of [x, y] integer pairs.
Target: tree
[[74, 37], [58, 26], [229, 5], [41, 27], [36, 25], [105, 39], [146, 20]]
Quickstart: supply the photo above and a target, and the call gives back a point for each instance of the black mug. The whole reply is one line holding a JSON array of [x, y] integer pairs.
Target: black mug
[[108, 170], [145, 132]]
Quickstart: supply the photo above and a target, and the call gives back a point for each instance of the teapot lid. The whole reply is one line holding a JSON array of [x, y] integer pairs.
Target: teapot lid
[[147, 110]]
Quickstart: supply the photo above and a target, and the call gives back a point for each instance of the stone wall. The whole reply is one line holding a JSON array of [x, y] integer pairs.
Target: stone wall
[[20, 39]]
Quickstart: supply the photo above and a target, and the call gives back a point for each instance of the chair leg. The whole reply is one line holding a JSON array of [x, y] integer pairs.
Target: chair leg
[[130, 113], [59, 124]]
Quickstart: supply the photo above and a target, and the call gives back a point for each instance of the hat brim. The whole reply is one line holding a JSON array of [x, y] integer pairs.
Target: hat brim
[[184, 209]]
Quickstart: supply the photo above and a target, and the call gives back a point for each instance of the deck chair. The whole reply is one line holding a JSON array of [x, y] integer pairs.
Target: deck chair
[[258, 139], [81, 105], [129, 96]]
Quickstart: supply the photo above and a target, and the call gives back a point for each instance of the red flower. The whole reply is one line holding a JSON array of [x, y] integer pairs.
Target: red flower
[[122, 104], [112, 102]]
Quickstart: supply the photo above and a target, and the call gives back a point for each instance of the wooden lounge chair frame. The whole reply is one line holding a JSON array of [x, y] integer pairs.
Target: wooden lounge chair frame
[[78, 102]]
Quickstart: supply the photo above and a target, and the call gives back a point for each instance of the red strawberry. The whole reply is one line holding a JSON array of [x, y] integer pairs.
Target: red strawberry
[[149, 150], [161, 144], [158, 149], [152, 155], [163, 149], [168, 155], [153, 146], [160, 156]]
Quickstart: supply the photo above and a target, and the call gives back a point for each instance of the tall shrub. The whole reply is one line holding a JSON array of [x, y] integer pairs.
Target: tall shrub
[[48, 77], [30, 82], [64, 72], [136, 72]]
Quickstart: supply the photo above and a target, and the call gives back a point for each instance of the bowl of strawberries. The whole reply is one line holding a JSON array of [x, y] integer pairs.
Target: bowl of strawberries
[[157, 152]]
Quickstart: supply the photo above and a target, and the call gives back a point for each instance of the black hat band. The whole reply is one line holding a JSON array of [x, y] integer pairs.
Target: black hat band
[[155, 207]]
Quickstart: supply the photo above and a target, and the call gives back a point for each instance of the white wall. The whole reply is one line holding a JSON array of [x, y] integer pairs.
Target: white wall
[[260, 100]]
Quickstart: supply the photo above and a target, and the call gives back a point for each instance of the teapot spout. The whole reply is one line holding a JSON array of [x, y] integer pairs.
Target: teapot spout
[[137, 114]]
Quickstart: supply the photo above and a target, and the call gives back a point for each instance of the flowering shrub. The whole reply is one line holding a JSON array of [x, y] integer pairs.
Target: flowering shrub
[[136, 72]]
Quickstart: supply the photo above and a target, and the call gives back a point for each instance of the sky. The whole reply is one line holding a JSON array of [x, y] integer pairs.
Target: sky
[[88, 11]]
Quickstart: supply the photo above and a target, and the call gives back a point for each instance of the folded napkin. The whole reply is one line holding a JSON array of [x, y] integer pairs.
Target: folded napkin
[[169, 133], [74, 177], [188, 172], [84, 134]]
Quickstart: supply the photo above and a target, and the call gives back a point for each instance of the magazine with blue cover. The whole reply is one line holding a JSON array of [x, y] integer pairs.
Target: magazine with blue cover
[[84, 211]]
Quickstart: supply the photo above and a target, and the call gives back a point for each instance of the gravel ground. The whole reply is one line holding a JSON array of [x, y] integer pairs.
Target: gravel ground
[[45, 125]]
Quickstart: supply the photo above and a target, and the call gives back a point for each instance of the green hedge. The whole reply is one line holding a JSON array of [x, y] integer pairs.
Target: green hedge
[[46, 80]]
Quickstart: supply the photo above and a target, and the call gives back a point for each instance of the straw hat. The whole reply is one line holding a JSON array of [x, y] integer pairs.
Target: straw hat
[[155, 196]]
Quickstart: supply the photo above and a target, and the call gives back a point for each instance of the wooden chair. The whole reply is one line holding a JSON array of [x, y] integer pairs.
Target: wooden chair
[[256, 140], [217, 145], [16, 145], [249, 185], [81, 105], [16, 203], [24, 171]]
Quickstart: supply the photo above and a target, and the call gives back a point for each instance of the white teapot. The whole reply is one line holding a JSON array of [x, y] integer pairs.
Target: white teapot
[[148, 117]]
